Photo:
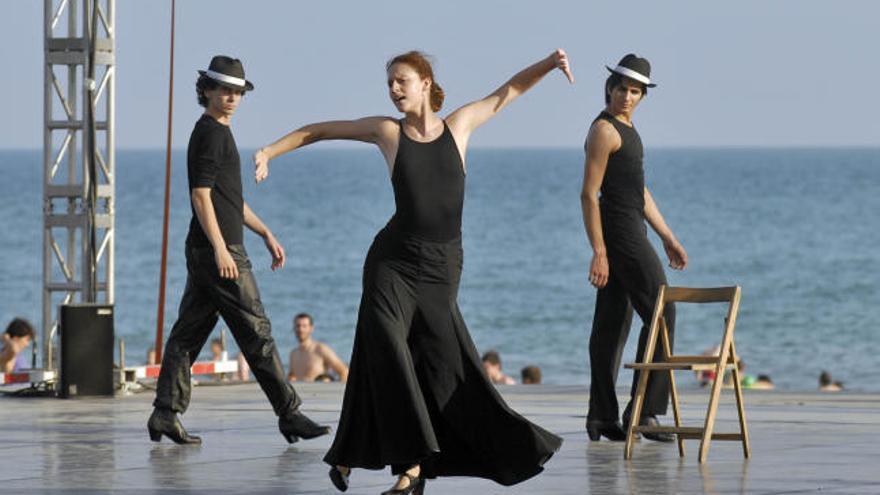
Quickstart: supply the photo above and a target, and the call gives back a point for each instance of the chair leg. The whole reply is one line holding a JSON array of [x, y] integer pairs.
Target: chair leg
[[650, 344], [676, 413], [709, 425], [635, 413], [740, 407], [673, 392]]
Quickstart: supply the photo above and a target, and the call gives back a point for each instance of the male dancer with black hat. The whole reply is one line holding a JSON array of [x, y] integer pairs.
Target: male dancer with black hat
[[219, 279], [625, 268]]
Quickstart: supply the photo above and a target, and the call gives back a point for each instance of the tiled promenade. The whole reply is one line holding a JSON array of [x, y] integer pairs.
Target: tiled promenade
[[801, 443]]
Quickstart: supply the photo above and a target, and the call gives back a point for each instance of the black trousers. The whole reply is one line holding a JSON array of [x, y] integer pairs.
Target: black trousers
[[417, 392], [636, 275], [206, 297]]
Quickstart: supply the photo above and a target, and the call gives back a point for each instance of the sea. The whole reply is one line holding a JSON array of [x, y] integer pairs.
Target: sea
[[797, 229]]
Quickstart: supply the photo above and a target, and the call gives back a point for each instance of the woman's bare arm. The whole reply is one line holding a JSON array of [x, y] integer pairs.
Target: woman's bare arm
[[381, 131], [463, 121]]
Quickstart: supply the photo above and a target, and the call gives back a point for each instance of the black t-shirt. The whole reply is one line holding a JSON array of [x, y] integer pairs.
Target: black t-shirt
[[212, 161]]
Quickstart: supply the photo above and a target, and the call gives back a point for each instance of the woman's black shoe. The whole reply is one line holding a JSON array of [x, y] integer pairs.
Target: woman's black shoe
[[339, 480], [165, 422], [612, 430], [416, 486]]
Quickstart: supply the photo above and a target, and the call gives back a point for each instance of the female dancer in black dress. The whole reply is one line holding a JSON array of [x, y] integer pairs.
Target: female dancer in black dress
[[417, 398]]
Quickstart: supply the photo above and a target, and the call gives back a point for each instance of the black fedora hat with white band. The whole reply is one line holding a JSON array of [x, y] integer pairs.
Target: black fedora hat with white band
[[635, 68], [228, 72]]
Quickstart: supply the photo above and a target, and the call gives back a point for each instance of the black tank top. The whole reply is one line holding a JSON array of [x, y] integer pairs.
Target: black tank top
[[428, 181], [623, 187]]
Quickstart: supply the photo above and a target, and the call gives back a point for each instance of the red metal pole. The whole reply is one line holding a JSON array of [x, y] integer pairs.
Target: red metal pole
[[160, 317]]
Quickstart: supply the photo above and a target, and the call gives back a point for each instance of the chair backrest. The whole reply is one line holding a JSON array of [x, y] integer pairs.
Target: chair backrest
[[658, 330], [730, 295], [701, 295]]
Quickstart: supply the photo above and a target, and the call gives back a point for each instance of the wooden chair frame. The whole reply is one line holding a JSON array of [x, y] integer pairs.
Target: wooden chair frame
[[727, 357]]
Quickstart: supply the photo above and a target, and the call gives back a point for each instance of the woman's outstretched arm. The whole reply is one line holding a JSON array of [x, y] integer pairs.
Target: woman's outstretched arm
[[377, 130], [467, 118]]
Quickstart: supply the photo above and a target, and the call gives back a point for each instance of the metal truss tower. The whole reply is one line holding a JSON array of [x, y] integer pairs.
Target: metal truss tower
[[79, 158]]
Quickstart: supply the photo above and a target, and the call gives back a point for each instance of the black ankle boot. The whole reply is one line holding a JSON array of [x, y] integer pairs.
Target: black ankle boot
[[165, 422], [295, 425], [612, 430], [650, 420]]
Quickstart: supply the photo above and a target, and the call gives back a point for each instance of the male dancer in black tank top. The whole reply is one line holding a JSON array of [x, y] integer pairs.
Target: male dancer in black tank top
[[624, 268]]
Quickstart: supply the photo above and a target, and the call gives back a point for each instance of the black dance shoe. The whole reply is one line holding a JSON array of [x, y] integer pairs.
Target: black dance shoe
[[416, 486], [296, 425], [652, 421], [165, 422], [612, 430], [339, 480]]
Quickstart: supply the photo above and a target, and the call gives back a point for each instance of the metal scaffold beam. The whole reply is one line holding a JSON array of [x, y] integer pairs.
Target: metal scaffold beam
[[79, 159]]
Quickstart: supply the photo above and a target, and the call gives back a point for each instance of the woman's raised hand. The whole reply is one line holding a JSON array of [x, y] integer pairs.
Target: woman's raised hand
[[560, 59], [261, 165]]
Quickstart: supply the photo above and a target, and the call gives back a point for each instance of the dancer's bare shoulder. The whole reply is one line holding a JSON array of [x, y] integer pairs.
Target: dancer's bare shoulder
[[603, 137]]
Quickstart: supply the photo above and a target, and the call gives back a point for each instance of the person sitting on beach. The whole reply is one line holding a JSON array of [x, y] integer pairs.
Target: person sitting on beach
[[531, 375], [151, 356], [492, 365], [826, 384], [706, 377], [217, 350], [244, 371], [312, 360], [745, 380], [19, 334], [218, 353], [763, 382]]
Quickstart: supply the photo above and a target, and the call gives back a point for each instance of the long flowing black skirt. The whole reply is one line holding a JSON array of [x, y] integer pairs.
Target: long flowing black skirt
[[416, 392]]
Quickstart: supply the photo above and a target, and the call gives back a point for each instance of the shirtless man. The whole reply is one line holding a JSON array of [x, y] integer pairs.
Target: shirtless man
[[492, 365], [312, 359]]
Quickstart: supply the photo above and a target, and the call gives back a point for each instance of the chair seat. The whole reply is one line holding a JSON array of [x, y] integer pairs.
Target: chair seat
[[688, 432], [673, 366], [702, 358], [684, 362]]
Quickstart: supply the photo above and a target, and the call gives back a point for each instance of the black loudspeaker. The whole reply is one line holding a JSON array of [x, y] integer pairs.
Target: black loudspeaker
[[86, 350]]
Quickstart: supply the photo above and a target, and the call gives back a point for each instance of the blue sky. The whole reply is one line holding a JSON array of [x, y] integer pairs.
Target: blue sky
[[744, 73]]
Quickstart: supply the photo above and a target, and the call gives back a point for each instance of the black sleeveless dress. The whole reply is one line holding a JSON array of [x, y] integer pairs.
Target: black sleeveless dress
[[417, 392]]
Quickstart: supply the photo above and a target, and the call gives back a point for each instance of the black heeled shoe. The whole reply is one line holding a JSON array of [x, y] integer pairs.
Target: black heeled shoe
[[339, 480], [296, 425], [652, 421], [165, 422], [416, 486], [612, 430]]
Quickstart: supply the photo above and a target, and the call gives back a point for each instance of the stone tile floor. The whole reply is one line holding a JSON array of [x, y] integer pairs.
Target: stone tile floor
[[801, 443]]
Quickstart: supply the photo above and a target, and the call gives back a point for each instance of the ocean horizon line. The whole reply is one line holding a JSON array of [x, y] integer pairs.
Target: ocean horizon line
[[673, 147]]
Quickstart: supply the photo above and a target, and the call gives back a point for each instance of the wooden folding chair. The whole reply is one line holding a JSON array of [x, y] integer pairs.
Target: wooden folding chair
[[727, 357]]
